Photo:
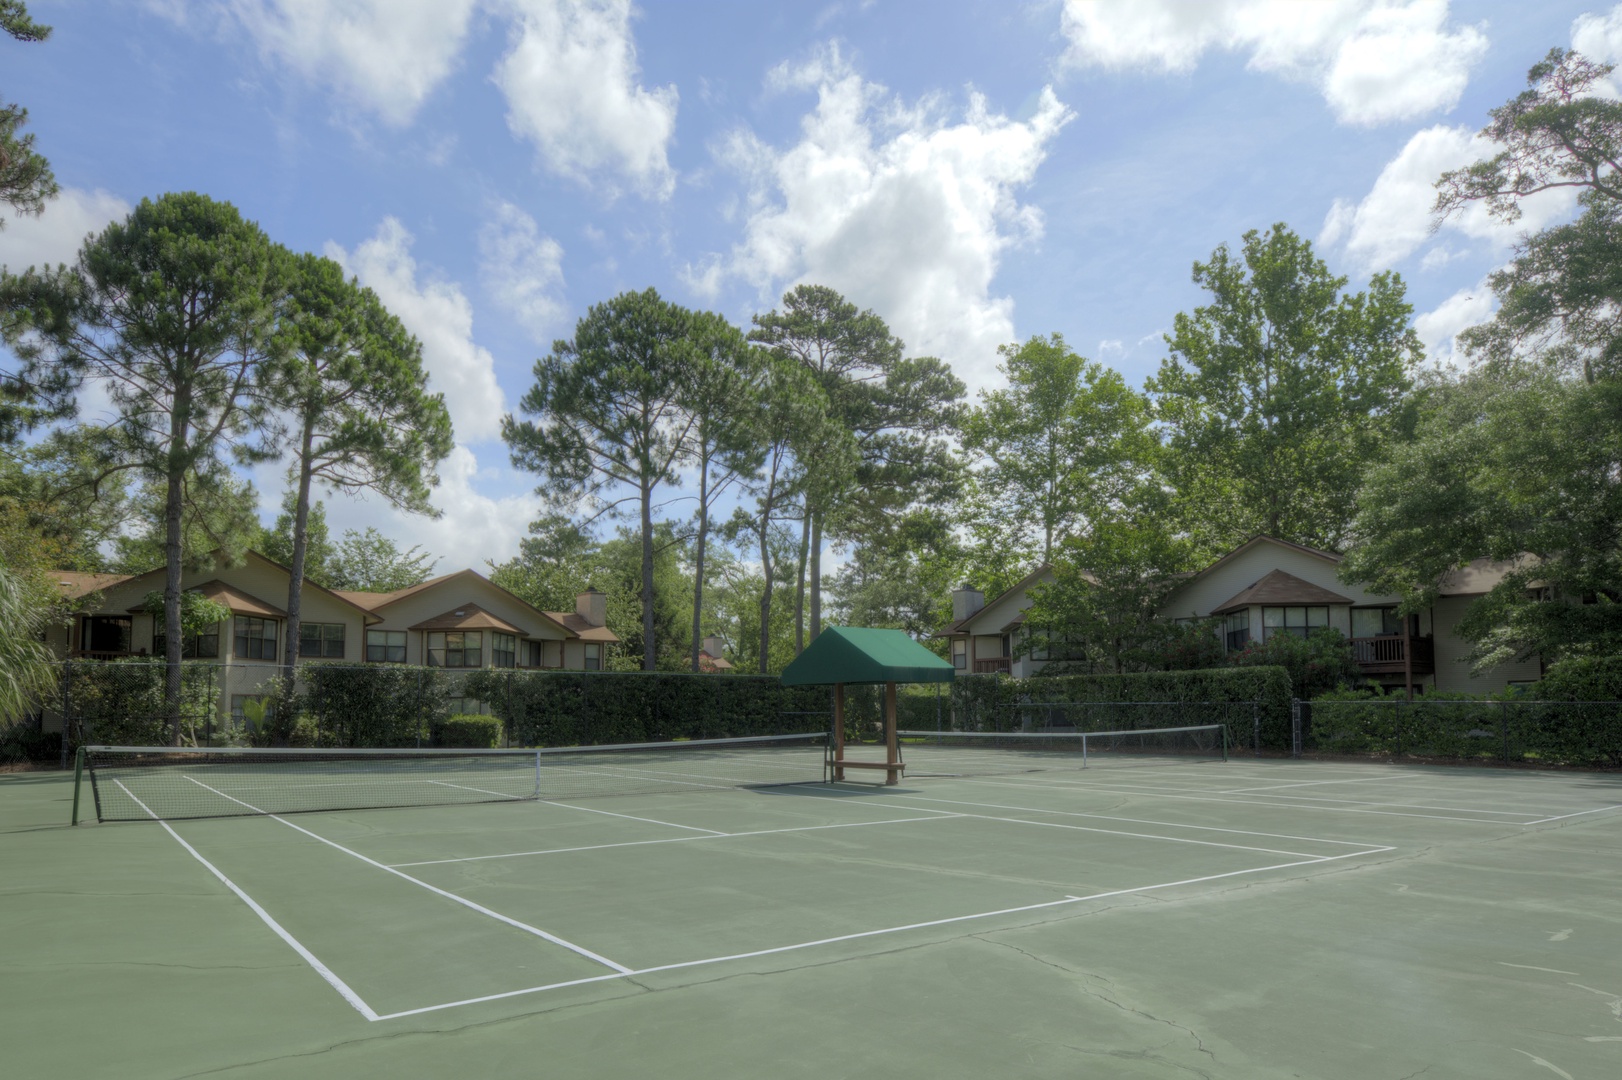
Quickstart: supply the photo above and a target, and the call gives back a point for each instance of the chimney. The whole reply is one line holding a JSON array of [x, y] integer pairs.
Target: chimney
[[966, 600], [712, 645], [592, 606]]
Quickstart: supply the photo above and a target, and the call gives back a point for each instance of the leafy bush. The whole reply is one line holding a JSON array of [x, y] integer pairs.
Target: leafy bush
[[580, 708], [1582, 678], [379, 705], [1317, 663], [469, 730], [121, 702], [20, 742]]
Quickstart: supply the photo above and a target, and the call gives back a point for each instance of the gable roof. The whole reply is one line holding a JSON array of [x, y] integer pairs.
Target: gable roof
[[1277, 587], [961, 626], [239, 602], [579, 628], [76, 585], [469, 617], [851, 654]]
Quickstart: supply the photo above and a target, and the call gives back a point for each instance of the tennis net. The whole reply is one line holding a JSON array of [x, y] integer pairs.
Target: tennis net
[[142, 783], [989, 753]]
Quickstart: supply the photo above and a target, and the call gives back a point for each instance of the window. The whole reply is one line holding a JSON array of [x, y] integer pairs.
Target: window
[[107, 633], [503, 650], [529, 653], [1236, 629], [466, 706], [960, 653], [1008, 645], [385, 646], [594, 656], [1375, 622], [321, 639], [256, 638], [1299, 621], [197, 647], [552, 654], [456, 648]]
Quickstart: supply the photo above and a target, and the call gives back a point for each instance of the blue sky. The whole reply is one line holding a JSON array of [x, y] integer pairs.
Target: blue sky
[[974, 172]]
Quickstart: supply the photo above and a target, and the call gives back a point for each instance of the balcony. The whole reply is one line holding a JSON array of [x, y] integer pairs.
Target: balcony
[[996, 666], [1383, 655]]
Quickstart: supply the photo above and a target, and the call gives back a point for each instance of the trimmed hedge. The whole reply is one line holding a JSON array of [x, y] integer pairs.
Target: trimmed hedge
[[1239, 697], [468, 730], [378, 705], [584, 708], [1582, 678], [121, 702]]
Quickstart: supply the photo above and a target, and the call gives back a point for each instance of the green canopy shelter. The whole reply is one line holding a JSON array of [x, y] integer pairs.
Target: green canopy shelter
[[842, 655]]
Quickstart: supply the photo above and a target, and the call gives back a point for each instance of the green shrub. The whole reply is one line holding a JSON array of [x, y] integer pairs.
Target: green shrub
[[470, 731], [20, 742], [1582, 678], [1320, 662], [379, 705], [121, 702]]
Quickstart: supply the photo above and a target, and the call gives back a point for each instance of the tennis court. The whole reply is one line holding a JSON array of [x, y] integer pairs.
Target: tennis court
[[1142, 917]]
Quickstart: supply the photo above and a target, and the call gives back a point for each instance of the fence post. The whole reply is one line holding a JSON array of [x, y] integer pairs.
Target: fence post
[[67, 716], [1396, 724], [1295, 727], [1256, 728], [1503, 725]]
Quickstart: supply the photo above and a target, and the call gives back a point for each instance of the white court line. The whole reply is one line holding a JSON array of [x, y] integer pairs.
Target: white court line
[[876, 933], [321, 969], [1091, 786], [1563, 817], [482, 791], [1385, 802], [1311, 783], [1144, 821], [940, 816], [464, 901], [1108, 832], [631, 817]]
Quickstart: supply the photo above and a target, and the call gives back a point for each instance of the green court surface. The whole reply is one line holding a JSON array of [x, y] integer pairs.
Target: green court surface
[[1248, 919]]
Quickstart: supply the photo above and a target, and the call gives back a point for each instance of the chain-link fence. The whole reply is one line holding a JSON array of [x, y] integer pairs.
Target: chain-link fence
[[1581, 733]]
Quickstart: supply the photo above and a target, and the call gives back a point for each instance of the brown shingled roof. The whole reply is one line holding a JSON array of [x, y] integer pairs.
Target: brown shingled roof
[[1277, 587], [586, 631], [469, 617], [75, 584]]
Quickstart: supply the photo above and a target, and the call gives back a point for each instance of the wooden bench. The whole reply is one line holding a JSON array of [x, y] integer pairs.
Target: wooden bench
[[842, 763]]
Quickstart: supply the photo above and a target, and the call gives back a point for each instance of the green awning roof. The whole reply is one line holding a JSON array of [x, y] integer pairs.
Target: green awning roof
[[848, 654]]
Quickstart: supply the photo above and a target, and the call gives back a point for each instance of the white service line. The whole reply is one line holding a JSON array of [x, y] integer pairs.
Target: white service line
[[321, 969], [1386, 802], [1312, 783], [940, 816], [1142, 821], [632, 817], [464, 901], [482, 791], [1151, 793], [877, 933], [1581, 813]]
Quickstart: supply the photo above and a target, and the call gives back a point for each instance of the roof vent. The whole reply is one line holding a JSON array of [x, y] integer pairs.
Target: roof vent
[[459, 614]]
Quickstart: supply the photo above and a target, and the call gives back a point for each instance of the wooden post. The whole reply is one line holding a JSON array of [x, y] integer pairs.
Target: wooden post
[[892, 749], [839, 730]]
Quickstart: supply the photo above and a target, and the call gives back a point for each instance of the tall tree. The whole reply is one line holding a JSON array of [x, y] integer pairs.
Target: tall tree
[[899, 410], [359, 414], [26, 181], [368, 561], [612, 417], [219, 520], [724, 442], [1278, 393], [904, 578], [276, 542], [173, 311], [27, 668], [1522, 455], [1065, 444]]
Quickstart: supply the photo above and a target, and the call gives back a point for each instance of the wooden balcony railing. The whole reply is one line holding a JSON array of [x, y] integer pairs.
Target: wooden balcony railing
[[99, 654], [1383, 655], [994, 666]]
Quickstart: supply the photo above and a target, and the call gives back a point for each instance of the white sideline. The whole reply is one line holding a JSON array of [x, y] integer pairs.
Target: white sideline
[[464, 901], [1562, 817], [321, 969], [941, 815], [875, 933]]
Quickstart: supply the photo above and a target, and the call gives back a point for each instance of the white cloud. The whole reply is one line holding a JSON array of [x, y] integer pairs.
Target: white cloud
[[523, 269], [899, 207], [56, 235], [473, 527], [1394, 219], [441, 317], [570, 80], [1438, 329], [1374, 61], [383, 56], [1599, 37]]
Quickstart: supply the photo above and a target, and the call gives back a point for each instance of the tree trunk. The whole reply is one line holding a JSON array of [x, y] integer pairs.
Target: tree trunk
[[171, 596], [816, 576], [301, 543], [647, 578], [799, 584], [698, 564], [765, 593]]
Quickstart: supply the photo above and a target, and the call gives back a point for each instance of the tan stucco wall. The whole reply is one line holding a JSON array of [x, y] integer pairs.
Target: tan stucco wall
[[1453, 672]]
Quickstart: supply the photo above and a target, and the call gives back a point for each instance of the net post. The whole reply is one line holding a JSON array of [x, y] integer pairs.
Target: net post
[[1224, 742], [1084, 739], [78, 779]]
